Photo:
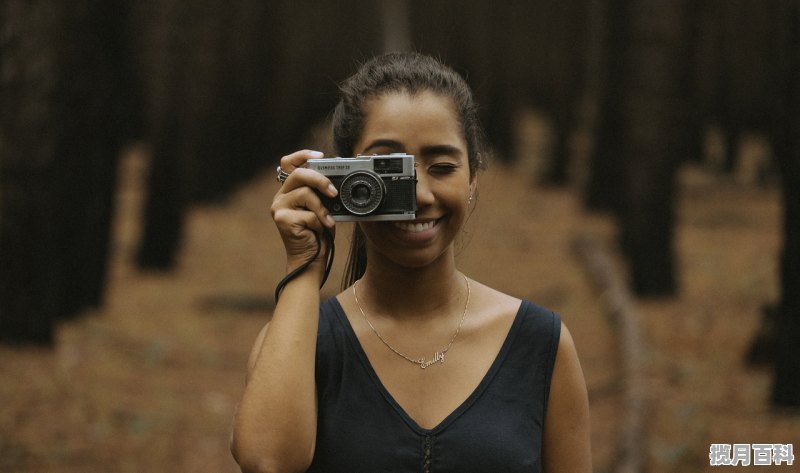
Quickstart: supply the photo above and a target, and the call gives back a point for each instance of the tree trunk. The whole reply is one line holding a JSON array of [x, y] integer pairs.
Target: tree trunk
[[749, 81], [97, 110], [186, 73], [643, 133], [604, 190], [558, 77], [656, 132], [64, 119], [786, 388], [30, 289]]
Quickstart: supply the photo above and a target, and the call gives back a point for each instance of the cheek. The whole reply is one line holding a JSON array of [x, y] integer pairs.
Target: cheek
[[457, 203], [459, 194]]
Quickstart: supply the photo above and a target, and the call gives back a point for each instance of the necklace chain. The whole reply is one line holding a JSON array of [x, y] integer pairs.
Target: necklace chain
[[438, 357]]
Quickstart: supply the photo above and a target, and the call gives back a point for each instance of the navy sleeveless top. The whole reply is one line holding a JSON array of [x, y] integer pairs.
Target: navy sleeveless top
[[498, 428]]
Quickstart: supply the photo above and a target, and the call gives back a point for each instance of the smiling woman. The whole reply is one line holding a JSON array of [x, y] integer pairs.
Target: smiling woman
[[414, 366]]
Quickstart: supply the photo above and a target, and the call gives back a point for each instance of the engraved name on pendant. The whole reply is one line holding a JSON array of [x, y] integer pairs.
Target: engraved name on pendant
[[437, 358]]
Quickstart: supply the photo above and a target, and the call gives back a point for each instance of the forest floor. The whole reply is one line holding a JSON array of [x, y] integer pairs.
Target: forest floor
[[149, 382]]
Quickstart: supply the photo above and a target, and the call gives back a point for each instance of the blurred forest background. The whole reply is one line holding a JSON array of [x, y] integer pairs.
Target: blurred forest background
[[649, 109]]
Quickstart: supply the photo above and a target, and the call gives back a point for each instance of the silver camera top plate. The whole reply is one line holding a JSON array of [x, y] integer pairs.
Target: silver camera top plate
[[342, 166]]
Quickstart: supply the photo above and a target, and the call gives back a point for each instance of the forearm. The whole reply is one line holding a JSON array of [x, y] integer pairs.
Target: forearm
[[275, 427]]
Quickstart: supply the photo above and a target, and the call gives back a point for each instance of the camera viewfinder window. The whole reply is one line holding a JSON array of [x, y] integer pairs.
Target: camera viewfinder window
[[388, 166]]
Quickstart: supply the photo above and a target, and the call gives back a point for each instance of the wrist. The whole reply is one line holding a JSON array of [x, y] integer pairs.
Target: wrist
[[315, 267]]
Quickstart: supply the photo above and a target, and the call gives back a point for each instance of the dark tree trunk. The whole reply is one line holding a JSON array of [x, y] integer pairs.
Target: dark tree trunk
[[786, 389], [643, 133], [656, 131], [238, 142], [187, 42], [97, 109], [166, 201], [748, 84], [30, 289], [604, 190], [562, 40], [705, 66], [65, 100]]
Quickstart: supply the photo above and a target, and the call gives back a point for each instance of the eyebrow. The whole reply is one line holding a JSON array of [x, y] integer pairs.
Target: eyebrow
[[384, 143], [441, 149], [438, 150]]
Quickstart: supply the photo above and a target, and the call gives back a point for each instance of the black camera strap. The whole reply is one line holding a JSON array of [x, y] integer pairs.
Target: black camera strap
[[328, 263]]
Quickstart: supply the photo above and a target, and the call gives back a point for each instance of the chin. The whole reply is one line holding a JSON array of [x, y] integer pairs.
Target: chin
[[414, 259]]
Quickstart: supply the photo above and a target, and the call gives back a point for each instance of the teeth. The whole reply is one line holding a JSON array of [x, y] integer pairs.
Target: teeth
[[415, 227]]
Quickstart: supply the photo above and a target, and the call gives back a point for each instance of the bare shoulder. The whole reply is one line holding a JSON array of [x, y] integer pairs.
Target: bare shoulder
[[493, 304]]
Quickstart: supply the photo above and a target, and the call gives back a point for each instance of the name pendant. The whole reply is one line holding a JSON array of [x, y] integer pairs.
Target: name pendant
[[437, 358]]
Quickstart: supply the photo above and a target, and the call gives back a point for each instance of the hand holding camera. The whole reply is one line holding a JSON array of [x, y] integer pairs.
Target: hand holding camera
[[297, 210]]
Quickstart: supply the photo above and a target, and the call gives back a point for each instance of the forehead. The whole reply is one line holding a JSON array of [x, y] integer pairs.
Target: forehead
[[402, 116]]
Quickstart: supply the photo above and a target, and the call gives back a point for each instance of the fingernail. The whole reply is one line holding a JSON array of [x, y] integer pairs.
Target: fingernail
[[331, 221], [332, 190], [315, 154]]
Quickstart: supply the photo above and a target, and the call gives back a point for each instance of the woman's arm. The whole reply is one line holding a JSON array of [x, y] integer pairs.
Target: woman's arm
[[566, 432], [276, 421]]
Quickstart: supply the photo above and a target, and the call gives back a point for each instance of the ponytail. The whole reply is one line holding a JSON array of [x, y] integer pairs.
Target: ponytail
[[356, 259]]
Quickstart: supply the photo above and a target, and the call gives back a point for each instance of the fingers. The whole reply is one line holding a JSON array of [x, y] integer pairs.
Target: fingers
[[298, 159], [297, 228], [298, 176], [301, 199], [297, 222], [302, 177], [296, 192], [301, 233]]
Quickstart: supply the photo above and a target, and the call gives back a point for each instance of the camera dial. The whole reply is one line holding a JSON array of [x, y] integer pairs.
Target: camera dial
[[362, 192]]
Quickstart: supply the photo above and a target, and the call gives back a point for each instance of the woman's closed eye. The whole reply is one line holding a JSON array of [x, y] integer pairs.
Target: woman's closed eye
[[443, 168]]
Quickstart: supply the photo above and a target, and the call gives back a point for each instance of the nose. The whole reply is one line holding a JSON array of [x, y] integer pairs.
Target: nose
[[424, 194]]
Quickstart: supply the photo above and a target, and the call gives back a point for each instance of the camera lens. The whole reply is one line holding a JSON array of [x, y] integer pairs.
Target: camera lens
[[362, 192]]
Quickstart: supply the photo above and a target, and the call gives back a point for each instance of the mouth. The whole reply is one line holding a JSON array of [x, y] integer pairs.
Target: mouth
[[415, 227]]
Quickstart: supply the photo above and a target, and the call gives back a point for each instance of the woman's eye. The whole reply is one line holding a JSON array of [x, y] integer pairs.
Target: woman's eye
[[443, 168]]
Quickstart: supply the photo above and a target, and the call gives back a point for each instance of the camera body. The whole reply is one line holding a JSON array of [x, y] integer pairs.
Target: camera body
[[378, 187]]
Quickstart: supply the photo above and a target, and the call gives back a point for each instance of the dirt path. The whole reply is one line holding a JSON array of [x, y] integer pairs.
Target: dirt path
[[149, 382]]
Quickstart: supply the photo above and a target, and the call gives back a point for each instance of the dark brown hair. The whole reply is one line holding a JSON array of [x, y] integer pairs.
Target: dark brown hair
[[400, 72]]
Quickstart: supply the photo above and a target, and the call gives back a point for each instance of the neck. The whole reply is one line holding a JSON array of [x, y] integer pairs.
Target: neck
[[412, 292]]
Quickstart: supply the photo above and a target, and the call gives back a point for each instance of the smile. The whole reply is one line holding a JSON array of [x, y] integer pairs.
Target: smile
[[415, 227]]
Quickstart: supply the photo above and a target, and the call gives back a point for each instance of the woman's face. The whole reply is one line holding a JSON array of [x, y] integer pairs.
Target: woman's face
[[426, 126]]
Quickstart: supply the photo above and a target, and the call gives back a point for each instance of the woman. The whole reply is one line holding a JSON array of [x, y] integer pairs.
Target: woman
[[414, 366]]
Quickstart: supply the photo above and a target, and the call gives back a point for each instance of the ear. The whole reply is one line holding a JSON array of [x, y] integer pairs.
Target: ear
[[473, 185]]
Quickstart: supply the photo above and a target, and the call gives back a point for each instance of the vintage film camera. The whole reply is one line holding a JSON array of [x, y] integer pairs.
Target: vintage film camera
[[376, 187]]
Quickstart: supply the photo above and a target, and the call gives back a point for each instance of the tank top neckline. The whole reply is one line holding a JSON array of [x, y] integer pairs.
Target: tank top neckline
[[464, 406]]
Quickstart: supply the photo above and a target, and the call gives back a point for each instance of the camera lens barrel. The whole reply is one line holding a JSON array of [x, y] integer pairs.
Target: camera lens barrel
[[362, 192]]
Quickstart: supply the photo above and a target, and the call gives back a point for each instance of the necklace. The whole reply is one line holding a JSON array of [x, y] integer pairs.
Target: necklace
[[438, 357]]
